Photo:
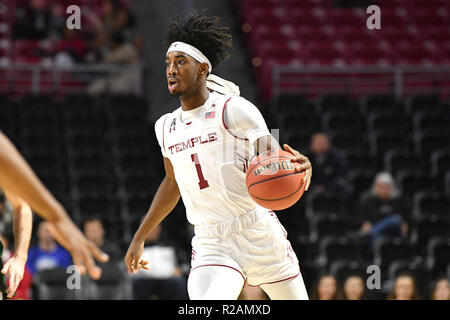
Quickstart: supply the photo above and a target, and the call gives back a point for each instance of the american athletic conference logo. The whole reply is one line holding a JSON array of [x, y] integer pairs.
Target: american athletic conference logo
[[172, 125]]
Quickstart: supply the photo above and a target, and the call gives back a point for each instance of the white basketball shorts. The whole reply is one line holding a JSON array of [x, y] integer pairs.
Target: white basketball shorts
[[254, 244]]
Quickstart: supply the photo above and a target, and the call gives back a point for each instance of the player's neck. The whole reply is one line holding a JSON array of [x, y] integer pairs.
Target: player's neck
[[195, 100]]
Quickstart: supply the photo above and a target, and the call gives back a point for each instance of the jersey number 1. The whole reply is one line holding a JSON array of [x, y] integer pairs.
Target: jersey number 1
[[202, 183]]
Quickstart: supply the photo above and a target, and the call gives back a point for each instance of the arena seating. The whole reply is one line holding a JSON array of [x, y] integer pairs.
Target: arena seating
[[334, 33]]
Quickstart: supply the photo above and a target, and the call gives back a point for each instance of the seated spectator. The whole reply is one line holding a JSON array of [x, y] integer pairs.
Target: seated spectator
[[354, 288], [47, 254], [405, 288], [32, 20], [57, 23], [164, 279], [121, 52], [440, 289], [71, 46], [23, 291], [326, 289], [382, 211], [94, 230], [116, 18], [330, 167]]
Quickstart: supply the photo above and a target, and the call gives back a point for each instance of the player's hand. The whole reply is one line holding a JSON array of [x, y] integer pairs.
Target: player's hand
[[13, 270], [83, 251], [133, 257], [305, 164]]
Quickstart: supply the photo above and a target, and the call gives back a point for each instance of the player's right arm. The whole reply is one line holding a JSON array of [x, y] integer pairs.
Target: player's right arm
[[17, 177], [164, 201]]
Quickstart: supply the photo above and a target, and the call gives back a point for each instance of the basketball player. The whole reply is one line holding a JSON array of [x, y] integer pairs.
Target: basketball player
[[235, 239], [17, 178], [15, 266]]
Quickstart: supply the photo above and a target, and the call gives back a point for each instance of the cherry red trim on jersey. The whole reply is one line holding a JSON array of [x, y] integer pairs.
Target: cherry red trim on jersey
[[223, 121], [275, 281], [164, 125], [218, 265]]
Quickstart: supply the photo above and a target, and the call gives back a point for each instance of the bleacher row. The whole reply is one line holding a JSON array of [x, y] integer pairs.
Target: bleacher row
[[334, 32], [408, 138]]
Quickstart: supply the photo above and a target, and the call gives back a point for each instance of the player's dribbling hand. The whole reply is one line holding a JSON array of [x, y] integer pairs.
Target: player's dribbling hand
[[133, 258], [305, 164]]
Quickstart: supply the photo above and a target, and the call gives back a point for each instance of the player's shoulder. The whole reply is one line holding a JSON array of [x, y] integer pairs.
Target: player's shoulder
[[232, 102], [160, 122]]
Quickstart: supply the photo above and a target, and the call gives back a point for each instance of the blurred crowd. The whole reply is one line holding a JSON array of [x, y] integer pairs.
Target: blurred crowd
[[107, 32]]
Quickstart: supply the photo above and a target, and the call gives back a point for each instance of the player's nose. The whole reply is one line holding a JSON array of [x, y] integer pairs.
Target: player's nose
[[171, 69]]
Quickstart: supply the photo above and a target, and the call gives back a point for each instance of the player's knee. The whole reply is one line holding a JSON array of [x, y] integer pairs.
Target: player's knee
[[214, 284]]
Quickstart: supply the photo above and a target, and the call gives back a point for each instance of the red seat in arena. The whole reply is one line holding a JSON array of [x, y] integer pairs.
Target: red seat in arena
[[414, 55], [325, 54], [412, 32], [370, 54]]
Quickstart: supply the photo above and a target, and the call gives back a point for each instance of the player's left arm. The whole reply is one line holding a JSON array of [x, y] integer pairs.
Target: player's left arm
[[22, 224], [245, 120]]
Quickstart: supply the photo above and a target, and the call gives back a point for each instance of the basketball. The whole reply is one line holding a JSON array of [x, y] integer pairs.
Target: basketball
[[272, 181]]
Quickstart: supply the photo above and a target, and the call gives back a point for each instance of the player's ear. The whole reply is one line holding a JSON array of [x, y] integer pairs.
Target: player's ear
[[203, 69]]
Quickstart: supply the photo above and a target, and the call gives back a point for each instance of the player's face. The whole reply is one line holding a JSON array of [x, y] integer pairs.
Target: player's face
[[182, 73]]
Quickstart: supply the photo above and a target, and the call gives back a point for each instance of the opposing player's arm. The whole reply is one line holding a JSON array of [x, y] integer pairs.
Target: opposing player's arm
[[17, 177], [165, 199], [22, 225]]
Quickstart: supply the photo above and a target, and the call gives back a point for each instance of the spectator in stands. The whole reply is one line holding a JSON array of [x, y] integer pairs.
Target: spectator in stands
[[440, 289], [47, 254], [330, 167], [23, 291], [32, 20], [405, 287], [70, 49], [354, 288], [164, 278], [122, 53], [94, 230], [326, 289], [116, 18], [383, 211], [57, 23]]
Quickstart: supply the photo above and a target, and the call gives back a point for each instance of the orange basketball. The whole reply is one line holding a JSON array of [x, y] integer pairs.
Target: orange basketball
[[272, 181]]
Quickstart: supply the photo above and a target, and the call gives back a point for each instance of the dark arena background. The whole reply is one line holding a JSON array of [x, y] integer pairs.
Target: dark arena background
[[363, 91]]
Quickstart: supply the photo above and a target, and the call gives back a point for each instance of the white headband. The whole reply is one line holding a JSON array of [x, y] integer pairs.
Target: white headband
[[213, 82], [190, 50]]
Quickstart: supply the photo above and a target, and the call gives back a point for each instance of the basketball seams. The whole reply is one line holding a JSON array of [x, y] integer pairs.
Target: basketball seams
[[274, 178]]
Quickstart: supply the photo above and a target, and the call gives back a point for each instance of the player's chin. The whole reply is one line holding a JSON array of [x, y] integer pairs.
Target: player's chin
[[176, 92]]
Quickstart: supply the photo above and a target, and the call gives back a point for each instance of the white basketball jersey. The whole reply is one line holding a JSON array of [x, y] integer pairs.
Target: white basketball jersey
[[209, 161]]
